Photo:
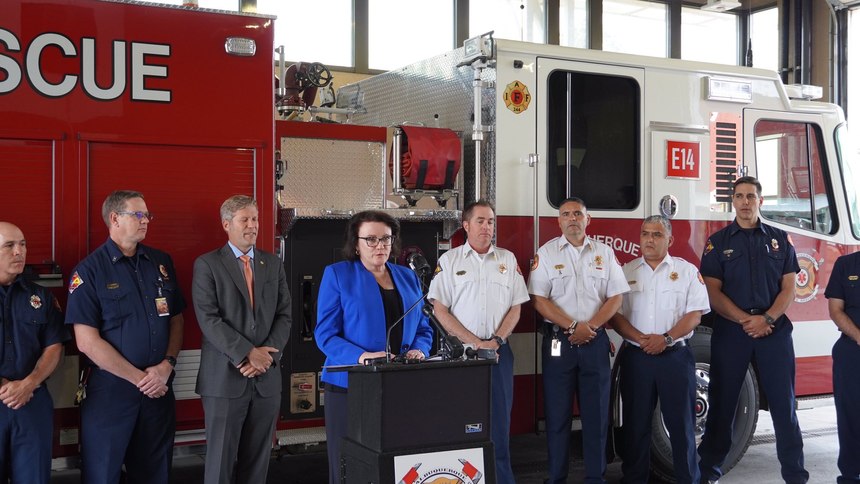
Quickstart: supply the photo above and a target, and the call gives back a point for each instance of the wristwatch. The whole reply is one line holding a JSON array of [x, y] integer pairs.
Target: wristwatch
[[499, 340], [768, 319], [171, 360], [572, 328], [668, 339]]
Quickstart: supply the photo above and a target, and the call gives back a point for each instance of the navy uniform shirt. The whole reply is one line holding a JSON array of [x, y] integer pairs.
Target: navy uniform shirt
[[117, 295], [31, 322], [845, 285], [750, 263]]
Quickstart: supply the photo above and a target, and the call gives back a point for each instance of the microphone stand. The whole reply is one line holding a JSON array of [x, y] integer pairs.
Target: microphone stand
[[450, 346]]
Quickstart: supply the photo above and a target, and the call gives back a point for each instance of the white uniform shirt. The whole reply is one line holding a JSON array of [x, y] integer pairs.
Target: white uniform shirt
[[658, 298], [478, 290], [577, 282]]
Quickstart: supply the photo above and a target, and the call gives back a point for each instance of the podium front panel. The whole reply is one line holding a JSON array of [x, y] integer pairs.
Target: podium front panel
[[422, 405]]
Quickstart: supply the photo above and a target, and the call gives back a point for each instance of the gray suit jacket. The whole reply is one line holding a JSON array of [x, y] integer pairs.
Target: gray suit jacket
[[231, 328]]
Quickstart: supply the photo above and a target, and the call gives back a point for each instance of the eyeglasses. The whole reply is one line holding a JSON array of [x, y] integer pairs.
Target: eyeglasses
[[139, 215], [373, 240]]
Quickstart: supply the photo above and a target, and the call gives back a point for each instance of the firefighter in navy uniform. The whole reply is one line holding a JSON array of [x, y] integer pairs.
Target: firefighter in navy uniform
[[843, 293], [749, 270], [126, 308], [32, 335]]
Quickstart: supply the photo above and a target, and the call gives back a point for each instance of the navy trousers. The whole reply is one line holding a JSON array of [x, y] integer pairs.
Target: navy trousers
[[25, 440], [669, 376], [120, 425], [731, 353], [583, 370], [846, 393], [500, 414], [336, 423]]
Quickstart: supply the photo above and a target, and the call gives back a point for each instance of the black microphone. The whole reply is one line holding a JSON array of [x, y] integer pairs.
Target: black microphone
[[452, 344], [387, 357], [418, 263]]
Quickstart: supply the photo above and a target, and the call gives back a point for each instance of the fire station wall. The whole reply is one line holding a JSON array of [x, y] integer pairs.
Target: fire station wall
[[183, 186]]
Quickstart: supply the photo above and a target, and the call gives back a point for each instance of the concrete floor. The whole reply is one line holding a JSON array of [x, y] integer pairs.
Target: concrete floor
[[758, 466]]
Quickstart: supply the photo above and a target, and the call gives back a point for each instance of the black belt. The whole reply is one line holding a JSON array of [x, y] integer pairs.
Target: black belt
[[550, 327], [681, 343]]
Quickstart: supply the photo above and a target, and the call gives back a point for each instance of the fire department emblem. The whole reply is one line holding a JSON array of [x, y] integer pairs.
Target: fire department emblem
[[163, 271], [598, 261], [535, 263], [517, 97], [438, 269], [774, 244], [503, 268], [75, 282], [35, 301], [805, 282], [673, 276], [708, 247]]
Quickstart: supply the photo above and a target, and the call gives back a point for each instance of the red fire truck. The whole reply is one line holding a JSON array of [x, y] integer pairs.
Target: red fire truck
[[178, 103]]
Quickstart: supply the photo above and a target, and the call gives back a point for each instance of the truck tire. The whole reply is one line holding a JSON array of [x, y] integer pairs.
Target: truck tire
[[746, 415]]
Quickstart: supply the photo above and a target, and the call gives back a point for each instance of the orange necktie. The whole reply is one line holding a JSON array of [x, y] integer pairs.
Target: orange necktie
[[249, 276]]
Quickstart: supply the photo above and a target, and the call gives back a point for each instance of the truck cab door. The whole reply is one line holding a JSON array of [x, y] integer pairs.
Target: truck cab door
[[589, 125]]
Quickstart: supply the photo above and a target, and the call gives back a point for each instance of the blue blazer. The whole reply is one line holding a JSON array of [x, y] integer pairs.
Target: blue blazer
[[351, 319]]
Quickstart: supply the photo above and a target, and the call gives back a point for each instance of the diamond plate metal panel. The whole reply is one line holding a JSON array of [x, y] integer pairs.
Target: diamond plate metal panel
[[418, 93], [332, 174]]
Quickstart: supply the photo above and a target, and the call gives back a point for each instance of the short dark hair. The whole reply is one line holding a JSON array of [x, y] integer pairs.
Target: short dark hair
[[467, 212], [659, 219], [747, 179], [573, 200], [351, 243], [115, 202]]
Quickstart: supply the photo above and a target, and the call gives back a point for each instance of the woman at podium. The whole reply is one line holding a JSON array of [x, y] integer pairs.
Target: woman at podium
[[363, 305]]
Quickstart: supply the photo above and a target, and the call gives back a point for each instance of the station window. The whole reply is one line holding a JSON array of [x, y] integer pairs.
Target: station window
[[621, 18], [302, 36], [790, 166], [593, 140], [573, 23], [509, 19], [764, 35], [709, 36], [390, 22]]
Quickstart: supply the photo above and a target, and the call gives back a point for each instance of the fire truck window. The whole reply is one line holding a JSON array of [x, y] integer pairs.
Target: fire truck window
[[849, 161], [593, 135], [792, 172]]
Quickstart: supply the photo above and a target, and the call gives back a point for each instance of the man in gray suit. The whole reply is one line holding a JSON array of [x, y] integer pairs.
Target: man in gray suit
[[243, 307]]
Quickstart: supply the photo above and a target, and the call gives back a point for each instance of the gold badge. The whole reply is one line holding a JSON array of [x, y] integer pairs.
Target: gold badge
[[559, 267], [35, 301], [728, 252], [630, 283], [598, 260], [503, 268], [673, 276], [535, 263], [774, 244], [461, 273], [853, 278], [163, 271], [112, 285]]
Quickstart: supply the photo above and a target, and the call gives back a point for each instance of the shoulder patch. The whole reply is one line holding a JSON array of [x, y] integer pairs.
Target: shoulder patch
[[701, 280], [75, 282], [438, 269], [709, 246], [535, 263]]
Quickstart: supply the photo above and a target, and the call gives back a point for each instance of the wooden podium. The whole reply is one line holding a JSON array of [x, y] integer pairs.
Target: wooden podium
[[411, 423]]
